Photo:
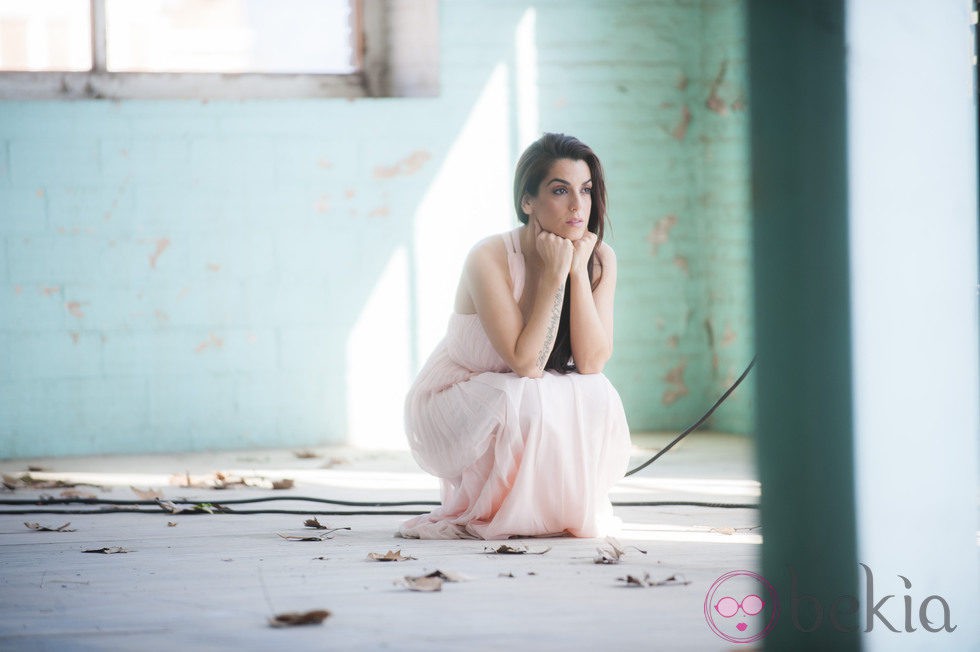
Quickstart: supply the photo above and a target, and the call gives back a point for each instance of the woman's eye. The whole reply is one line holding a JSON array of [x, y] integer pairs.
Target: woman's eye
[[559, 191], [587, 191]]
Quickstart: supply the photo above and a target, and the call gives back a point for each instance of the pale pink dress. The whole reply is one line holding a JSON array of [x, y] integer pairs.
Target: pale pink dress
[[516, 456]]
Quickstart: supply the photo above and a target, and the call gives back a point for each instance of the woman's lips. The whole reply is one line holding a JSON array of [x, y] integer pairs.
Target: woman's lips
[[575, 222]]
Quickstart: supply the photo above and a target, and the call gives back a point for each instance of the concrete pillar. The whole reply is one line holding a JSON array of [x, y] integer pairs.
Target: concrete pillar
[[804, 397]]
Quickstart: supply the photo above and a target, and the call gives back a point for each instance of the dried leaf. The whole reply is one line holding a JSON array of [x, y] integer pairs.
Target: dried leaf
[[504, 549], [169, 506], [109, 551], [198, 508], [723, 530], [37, 469], [332, 462], [293, 537], [423, 583], [448, 576], [505, 575], [171, 524], [391, 555], [26, 480], [673, 580], [305, 454], [221, 480], [295, 618], [311, 537], [315, 524], [44, 528], [75, 493], [633, 581], [209, 508], [612, 554], [146, 494]]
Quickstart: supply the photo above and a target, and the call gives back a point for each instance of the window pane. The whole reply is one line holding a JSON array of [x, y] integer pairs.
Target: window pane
[[287, 36], [45, 35]]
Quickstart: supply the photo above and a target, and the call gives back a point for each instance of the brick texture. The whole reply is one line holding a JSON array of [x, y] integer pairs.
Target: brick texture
[[183, 275]]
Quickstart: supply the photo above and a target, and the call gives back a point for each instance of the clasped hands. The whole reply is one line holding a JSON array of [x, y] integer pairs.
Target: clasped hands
[[562, 256]]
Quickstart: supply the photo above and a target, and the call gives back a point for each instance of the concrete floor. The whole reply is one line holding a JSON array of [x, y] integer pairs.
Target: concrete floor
[[212, 581]]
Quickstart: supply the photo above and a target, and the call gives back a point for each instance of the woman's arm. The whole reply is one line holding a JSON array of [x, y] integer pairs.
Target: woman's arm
[[524, 347], [591, 317]]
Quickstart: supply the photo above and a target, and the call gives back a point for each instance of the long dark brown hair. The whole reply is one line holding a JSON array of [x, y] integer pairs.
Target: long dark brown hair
[[531, 170]]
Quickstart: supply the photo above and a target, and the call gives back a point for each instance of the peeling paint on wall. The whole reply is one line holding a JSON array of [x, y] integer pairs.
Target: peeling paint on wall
[[213, 341], [161, 246], [660, 232], [675, 378], [75, 309], [729, 336], [714, 102], [322, 204], [681, 129], [409, 165]]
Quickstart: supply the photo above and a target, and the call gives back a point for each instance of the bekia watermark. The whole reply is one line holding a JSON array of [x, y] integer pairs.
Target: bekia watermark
[[742, 607]]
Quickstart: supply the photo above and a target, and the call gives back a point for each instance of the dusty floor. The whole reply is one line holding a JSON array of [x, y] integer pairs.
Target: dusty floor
[[211, 582]]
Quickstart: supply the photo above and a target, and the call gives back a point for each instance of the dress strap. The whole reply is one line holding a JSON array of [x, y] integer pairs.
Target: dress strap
[[515, 262], [515, 241]]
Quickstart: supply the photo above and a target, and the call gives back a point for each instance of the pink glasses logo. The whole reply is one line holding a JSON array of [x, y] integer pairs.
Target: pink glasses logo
[[741, 606]]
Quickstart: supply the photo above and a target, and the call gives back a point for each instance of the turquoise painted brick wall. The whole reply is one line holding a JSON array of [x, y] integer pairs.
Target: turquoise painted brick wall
[[184, 275], [675, 145]]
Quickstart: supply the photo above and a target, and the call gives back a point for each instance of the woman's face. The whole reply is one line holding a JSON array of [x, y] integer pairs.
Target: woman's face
[[564, 200]]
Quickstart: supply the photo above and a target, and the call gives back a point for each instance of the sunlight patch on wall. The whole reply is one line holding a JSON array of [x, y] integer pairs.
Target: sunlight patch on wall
[[469, 199], [526, 73], [378, 361]]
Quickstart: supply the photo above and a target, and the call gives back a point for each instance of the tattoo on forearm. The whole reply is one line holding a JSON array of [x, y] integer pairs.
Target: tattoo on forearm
[[549, 336]]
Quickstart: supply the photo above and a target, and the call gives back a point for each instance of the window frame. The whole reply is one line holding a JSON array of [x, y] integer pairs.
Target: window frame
[[379, 73]]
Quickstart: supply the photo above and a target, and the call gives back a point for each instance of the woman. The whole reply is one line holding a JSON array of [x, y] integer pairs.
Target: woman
[[511, 410]]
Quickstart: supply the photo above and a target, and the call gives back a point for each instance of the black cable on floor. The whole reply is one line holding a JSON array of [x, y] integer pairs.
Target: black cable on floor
[[220, 508], [160, 512], [351, 503], [697, 424], [236, 501]]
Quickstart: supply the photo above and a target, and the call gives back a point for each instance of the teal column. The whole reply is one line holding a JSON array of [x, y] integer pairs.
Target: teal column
[[805, 458]]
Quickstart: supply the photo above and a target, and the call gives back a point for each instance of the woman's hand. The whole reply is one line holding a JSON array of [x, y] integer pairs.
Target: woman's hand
[[582, 251], [556, 252]]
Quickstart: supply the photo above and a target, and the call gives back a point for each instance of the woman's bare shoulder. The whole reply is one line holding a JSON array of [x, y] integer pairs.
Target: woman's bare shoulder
[[488, 252], [605, 254], [605, 259], [486, 267]]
